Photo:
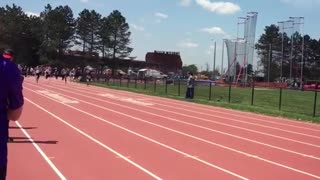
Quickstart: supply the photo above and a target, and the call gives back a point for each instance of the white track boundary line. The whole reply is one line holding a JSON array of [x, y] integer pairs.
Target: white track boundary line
[[188, 135], [183, 122], [144, 137], [45, 157], [224, 124], [95, 140], [241, 121], [220, 112], [180, 103]]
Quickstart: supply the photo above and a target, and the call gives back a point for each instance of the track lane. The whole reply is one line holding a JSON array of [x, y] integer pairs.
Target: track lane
[[76, 156], [209, 109], [24, 161], [252, 134], [162, 161]]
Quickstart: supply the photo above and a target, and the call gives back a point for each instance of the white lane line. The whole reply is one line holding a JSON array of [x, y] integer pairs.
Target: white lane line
[[207, 120], [195, 125], [240, 121], [185, 134], [179, 103], [144, 137], [91, 138], [55, 169]]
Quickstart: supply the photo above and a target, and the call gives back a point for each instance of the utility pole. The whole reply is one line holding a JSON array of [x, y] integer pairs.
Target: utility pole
[[269, 61], [214, 59], [283, 27], [300, 22], [222, 57]]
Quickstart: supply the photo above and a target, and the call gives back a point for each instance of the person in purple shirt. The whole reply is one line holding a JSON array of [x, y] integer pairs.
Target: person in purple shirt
[[11, 103]]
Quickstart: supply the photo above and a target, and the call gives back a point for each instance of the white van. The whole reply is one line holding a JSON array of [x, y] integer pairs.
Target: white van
[[151, 73]]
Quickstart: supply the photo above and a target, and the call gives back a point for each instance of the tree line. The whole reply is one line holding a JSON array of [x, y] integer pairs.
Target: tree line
[[274, 62], [46, 38]]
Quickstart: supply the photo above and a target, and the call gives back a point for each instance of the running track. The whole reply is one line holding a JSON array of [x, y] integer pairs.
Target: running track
[[72, 131]]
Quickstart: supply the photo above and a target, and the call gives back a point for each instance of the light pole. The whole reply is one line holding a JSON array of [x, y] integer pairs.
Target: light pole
[[282, 47], [301, 22], [269, 62], [222, 56], [214, 58]]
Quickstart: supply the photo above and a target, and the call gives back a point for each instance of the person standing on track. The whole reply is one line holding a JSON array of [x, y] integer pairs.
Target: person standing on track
[[190, 86], [11, 105]]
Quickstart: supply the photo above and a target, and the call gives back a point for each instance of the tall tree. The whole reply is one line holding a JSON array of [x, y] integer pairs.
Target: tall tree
[[88, 26], [59, 28], [104, 34], [270, 38], [120, 35], [16, 33], [273, 38], [2, 27]]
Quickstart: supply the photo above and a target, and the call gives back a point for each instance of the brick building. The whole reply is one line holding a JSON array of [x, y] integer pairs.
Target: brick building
[[165, 61]]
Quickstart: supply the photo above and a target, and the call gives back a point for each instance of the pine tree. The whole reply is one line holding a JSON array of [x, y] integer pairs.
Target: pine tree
[[120, 35]]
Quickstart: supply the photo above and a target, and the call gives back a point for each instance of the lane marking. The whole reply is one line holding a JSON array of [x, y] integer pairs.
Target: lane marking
[[185, 134], [55, 169], [90, 137], [240, 121], [212, 109], [191, 156], [209, 129], [118, 157], [144, 137], [126, 99], [58, 97]]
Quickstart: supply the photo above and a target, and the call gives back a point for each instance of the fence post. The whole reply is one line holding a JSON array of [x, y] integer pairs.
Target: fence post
[[252, 95], [128, 82], [145, 83], [108, 81], [280, 99], [315, 101], [210, 91], [135, 83], [179, 87], [120, 81], [229, 98], [155, 85], [166, 90]]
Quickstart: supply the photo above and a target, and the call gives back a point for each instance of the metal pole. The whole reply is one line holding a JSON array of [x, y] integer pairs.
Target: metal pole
[[280, 99], [282, 54], [252, 93], [214, 60], [302, 49], [315, 101], [302, 57], [269, 62], [245, 63], [246, 52], [210, 91], [291, 56], [222, 58]]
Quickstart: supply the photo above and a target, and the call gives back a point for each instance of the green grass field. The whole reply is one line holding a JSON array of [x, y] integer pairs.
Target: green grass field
[[295, 104]]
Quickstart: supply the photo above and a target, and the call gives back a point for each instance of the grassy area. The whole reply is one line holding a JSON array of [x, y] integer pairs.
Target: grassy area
[[295, 104]]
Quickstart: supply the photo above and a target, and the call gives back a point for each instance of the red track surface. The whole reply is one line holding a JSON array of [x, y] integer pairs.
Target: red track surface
[[110, 134]]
